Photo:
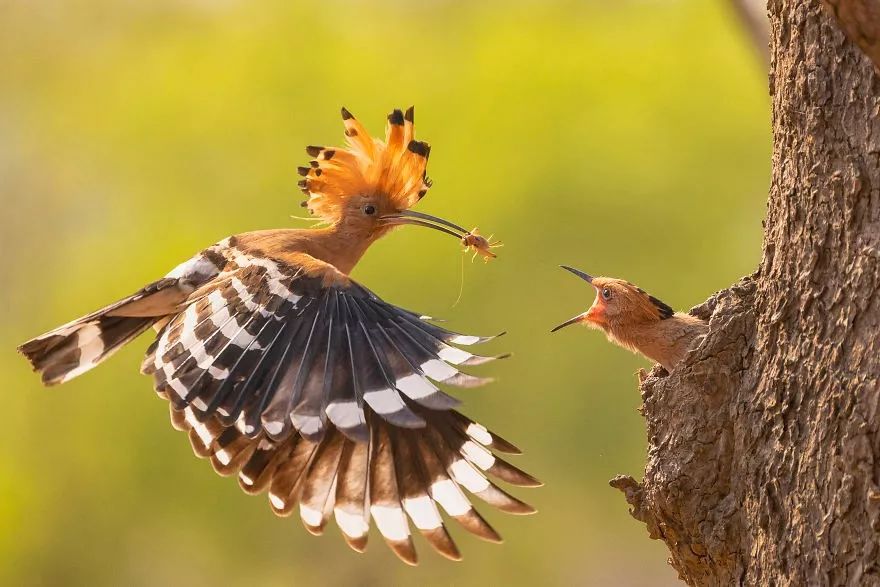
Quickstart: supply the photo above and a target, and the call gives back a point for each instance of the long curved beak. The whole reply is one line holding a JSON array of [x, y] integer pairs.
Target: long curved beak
[[579, 273], [426, 220], [580, 317], [575, 320]]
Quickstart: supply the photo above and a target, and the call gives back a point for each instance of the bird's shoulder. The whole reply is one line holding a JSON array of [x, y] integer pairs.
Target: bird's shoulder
[[279, 253], [290, 249]]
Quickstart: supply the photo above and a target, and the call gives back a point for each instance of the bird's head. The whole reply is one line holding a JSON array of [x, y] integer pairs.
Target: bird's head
[[368, 187], [618, 304]]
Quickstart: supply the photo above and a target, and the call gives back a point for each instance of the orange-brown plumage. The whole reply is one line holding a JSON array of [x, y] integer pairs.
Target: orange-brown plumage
[[638, 321], [360, 193], [392, 170], [289, 374]]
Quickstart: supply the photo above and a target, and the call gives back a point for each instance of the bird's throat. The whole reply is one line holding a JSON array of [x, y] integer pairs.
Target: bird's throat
[[341, 246]]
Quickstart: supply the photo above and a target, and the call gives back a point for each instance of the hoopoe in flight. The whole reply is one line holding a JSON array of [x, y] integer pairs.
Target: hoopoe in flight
[[292, 376], [638, 321]]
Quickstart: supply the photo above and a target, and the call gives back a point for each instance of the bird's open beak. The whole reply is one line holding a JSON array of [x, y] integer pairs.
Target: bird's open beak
[[419, 219], [575, 320], [580, 317], [581, 274]]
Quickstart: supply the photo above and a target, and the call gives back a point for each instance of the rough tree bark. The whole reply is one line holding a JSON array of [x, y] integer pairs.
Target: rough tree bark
[[860, 20], [764, 446]]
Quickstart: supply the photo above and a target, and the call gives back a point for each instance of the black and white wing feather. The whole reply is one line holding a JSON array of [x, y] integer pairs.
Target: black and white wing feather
[[328, 397], [324, 396], [269, 349]]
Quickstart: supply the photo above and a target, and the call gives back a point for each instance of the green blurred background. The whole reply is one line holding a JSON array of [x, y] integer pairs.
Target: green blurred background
[[627, 139]]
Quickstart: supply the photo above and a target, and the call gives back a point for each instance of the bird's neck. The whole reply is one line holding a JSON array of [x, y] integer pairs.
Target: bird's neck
[[664, 341], [339, 245]]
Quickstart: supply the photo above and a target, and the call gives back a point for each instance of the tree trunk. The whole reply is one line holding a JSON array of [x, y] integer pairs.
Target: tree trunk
[[860, 20], [764, 446]]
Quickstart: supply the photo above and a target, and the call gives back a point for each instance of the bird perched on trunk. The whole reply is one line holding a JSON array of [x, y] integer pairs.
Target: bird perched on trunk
[[292, 376], [637, 321]]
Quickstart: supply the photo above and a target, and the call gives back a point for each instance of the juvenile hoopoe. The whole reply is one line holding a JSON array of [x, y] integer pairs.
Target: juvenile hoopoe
[[292, 376], [638, 321]]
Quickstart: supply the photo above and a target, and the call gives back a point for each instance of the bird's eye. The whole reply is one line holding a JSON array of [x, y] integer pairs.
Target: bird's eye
[[606, 293], [369, 209]]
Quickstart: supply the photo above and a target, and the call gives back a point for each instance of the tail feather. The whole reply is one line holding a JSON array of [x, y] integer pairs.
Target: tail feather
[[76, 347], [62, 354]]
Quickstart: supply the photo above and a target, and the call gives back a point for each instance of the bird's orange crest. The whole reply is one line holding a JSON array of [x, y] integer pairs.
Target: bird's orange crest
[[394, 168]]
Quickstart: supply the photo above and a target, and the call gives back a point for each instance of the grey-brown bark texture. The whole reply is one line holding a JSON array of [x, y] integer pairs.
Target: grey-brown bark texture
[[860, 20], [764, 446]]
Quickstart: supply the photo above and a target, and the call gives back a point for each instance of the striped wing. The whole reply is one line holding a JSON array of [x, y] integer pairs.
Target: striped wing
[[399, 478], [328, 397], [269, 349]]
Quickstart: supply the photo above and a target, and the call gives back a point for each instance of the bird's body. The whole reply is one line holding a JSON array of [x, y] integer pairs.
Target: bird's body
[[289, 374], [665, 341], [639, 322]]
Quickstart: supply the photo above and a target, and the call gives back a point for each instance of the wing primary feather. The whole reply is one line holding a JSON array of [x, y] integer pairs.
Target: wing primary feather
[[309, 416], [280, 377], [482, 434], [345, 405], [283, 395], [319, 481], [436, 331], [352, 500], [415, 384], [467, 466], [231, 450], [481, 457], [257, 472], [447, 353], [434, 362], [382, 396], [385, 504], [287, 480], [416, 498], [427, 360], [446, 488]]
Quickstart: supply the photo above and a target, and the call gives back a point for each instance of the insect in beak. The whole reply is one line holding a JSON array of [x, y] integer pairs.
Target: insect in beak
[[426, 220], [471, 239], [580, 317]]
